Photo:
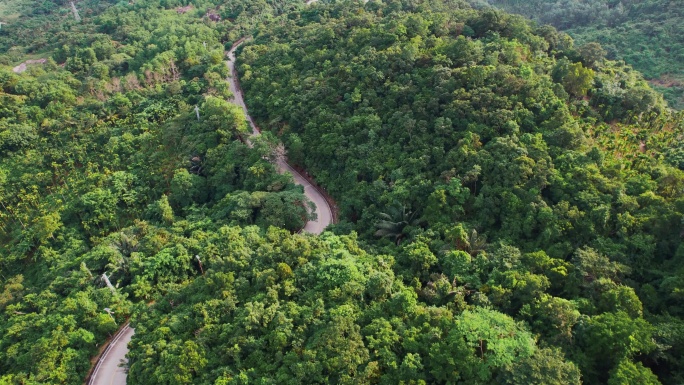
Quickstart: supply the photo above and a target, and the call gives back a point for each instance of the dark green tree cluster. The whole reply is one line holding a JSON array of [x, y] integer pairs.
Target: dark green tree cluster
[[290, 309], [645, 34], [484, 152]]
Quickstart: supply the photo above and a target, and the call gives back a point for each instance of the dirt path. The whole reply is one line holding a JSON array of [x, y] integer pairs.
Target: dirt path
[[23, 66]]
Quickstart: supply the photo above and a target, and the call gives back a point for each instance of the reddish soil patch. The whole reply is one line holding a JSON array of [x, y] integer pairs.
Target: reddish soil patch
[[668, 81], [213, 16], [182, 10]]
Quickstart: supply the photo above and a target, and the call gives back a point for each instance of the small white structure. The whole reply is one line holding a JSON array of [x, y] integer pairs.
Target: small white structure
[[200, 264], [109, 284]]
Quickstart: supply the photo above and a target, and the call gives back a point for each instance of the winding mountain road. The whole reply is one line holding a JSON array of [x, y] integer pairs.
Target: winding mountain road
[[108, 370], [323, 210]]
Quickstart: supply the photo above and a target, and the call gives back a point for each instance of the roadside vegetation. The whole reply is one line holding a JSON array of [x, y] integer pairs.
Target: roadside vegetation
[[104, 168]]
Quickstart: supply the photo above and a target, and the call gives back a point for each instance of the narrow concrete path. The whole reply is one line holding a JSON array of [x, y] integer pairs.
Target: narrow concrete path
[[110, 369]]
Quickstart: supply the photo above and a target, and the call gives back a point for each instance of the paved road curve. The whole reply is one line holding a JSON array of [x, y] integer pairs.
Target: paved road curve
[[323, 210], [107, 371]]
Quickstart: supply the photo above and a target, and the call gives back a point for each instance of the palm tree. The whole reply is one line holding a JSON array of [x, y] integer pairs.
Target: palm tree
[[125, 245], [459, 239], [476, 243], [395, 223]]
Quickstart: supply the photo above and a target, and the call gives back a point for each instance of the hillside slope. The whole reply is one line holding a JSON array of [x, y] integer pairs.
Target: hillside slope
[[440, 128], [649, 35]]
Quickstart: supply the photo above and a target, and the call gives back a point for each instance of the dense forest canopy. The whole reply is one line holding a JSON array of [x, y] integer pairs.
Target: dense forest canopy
[[295, 309], [648, 34], [510, 201], [442, 129]]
